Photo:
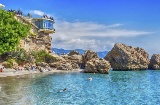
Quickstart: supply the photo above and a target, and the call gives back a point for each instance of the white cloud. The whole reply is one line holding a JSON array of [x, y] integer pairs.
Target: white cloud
[[89, 35], [114, 25], [94, 29], [39, 13], [78, 43]]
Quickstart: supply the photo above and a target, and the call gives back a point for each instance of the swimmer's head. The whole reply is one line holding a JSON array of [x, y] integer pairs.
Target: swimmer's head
[[90, 78], [64, 89]]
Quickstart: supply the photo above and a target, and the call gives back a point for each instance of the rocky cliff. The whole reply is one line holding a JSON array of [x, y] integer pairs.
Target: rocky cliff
[[123, 57], [97, 65], [37, 43], [155, 62]]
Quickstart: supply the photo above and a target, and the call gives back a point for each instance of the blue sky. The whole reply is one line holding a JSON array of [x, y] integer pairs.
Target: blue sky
[[98, 24]]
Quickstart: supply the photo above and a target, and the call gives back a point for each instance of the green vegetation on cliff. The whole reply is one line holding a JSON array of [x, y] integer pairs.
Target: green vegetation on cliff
[[21, 57], [11, 31], [43, 56]]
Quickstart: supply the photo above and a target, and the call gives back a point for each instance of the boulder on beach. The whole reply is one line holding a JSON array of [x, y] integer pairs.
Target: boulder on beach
[[155, 62], [97, 65], [42, 64], [123, 57], [64, 66]]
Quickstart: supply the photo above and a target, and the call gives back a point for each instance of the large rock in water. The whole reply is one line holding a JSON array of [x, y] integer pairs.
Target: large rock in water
[[88, 55], [97, 65], [123, 57], [155, 62], [74, 60]]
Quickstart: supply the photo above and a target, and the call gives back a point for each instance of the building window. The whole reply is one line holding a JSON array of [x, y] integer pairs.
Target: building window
[[44, 25]]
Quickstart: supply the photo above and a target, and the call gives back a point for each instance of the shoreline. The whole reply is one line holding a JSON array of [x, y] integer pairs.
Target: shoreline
[[12, 72]]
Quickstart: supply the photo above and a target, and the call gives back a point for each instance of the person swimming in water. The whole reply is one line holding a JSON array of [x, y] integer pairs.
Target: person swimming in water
[[64, 89], [90, 79], [60, 91]]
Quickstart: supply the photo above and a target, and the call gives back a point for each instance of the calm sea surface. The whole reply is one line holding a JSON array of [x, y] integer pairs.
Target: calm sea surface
[[116, 88]]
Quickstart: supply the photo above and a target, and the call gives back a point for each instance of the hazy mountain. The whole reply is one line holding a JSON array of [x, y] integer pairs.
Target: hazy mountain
[[63, 51]]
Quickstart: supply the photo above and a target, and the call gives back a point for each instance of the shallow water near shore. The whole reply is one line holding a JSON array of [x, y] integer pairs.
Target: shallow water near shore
[[116, 88]]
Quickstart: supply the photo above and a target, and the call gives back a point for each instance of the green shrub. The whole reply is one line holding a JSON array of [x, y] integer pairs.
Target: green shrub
[[9, 63], [43, 56], [6, 64], [11, 31], [49, 58], [20, 56]]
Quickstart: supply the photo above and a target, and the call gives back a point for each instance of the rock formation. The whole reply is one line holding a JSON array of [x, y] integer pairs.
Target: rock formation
[[61, 65], [97, 65], [73, 52], [42, 64], [88, 55], [67, 62], [74, 59], [37, 43], [123, 57], [155, 62], [64, 66], [77, 59], [57, 57]]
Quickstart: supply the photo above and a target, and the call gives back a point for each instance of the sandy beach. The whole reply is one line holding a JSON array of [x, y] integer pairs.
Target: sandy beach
[[12, 72], [15, 73]]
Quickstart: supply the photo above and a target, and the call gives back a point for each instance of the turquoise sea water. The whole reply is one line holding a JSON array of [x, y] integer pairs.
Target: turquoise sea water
[[116, 88]]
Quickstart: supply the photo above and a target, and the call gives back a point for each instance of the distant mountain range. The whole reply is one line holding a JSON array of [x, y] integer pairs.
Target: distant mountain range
[[63, 51]]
